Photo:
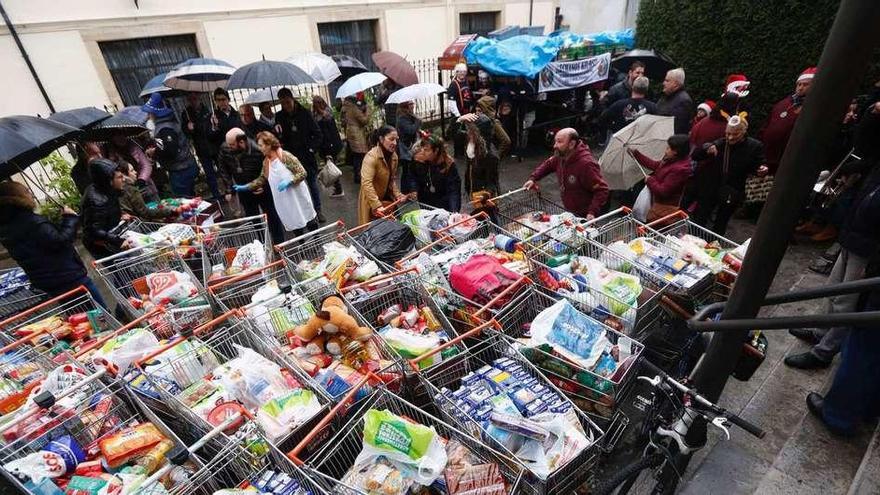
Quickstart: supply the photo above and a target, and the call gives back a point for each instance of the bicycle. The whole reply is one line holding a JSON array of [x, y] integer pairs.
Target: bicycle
[[669, 413]]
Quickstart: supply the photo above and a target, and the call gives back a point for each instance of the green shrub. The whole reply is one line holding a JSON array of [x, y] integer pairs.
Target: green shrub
[[59, 185]]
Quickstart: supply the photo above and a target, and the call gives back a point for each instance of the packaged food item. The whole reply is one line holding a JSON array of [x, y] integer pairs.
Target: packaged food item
[[69, 449], [154, 458], [38, 465], [118, 448]]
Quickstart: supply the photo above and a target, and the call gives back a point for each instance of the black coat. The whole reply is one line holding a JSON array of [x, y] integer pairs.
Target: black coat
[[300, 134], [861, 231], [446, 191], [331, 143], [745, 158], [44, 250], [224, 124], [239, 167], [679, 105], [201, 135], [101, 212]]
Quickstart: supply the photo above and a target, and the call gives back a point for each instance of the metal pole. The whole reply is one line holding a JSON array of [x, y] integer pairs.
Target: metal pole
[[531, 8], [844, 59], [27, 59]]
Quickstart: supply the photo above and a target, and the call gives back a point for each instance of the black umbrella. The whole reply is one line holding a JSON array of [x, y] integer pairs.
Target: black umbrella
[[656, 64], [80, 118], [266, 74], [25, 140], [119, 124], [348, 65]]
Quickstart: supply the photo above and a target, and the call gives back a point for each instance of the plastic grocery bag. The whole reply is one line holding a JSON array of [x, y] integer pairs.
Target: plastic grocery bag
[[620, 287], [402, 442], [642, 205], [387, 240], [248, 257], [574, 334], [172, 286], [329, 174], [126, 348]]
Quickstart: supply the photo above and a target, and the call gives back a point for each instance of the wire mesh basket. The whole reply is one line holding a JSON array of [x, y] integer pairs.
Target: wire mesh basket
[[334, 463], [128, 275], [222, 241], [491, 358], [85, 415], [596, 394], [17, 294], [388, 298], [223, 362], [514, 205], [241, 290], [58, 327]]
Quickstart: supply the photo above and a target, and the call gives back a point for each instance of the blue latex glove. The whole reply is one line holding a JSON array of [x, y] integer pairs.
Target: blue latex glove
[[282, 186], [240, 188]]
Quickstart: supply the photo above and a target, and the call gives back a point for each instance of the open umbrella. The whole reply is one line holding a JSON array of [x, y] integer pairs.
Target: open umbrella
[[656, 64], [322, 68], [199, 74], [25, 139], [360, 82], [134, 113], [348, 65], [80, 117], [396, 67], [157, 85], [647, 134], [118, 124], [415, 92], [268, 73]]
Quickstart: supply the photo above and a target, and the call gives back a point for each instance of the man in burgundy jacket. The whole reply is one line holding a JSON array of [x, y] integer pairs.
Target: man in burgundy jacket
[[583, 190], [781, 120]]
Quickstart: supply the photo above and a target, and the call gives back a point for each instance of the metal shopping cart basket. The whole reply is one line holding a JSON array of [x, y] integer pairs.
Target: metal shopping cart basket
[[16, 292], [178, 369], [596, 394], [127, 275], [513, 205], [89, 412], [222, 241], [672, 228], [238, 291], [59, 326], [492, 358], [376, 299], [334, 462]]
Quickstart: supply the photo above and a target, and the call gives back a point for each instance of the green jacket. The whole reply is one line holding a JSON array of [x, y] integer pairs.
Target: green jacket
[[132, 203]]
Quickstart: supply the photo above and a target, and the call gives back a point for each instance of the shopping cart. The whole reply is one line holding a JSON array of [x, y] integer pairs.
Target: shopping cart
[[512, 206], [86, 412], [223, 240], [16, 293], [238, 291], [674, 226], [595, 394], [336, 455], [373, 299], [306, 255], [443, 383], [126, 275], [58, 326], [185, 361]]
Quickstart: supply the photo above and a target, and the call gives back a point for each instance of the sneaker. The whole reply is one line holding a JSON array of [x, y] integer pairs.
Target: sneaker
[[340, 194]]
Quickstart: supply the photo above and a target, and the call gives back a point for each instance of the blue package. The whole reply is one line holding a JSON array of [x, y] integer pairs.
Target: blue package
[[484, 370], [535, 407], [470, 379], [522, 397], [69, 449], [605, 366], [483, 413], [478, 396]]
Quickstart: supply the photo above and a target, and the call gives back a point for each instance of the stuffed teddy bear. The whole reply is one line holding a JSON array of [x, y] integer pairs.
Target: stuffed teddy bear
[[331, 325]]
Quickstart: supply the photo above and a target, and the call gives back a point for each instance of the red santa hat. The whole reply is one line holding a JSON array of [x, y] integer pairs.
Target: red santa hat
[[807, 74], [737, 83], [707, 106]]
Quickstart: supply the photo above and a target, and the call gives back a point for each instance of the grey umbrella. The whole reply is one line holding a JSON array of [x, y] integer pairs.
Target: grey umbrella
[[80, 118], [119, 124], [268, 73], [656, 63]]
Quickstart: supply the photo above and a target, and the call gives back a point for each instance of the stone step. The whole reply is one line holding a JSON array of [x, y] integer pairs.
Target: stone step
[[867, 479]]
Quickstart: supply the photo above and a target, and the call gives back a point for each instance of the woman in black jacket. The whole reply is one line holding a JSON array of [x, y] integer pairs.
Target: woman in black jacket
[[42, 249], [100, 209], [435, 175], [722, 183], [331, 142], [408, 126]]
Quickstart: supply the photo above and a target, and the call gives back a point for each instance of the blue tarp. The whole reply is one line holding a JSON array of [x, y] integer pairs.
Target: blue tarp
[[528, 55]]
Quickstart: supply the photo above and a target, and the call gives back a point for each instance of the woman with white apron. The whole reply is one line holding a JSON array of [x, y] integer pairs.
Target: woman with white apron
[[285, 177]]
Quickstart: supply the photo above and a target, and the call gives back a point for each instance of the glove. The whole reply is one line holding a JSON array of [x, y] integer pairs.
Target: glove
[[282, 186], [240, 188]]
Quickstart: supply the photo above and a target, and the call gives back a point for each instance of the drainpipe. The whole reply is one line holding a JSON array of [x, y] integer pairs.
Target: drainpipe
[[26, 58]]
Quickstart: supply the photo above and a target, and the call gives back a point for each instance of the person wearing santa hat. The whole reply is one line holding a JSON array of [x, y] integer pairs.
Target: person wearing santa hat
[[737, 83], [780, 122], [703, 110]]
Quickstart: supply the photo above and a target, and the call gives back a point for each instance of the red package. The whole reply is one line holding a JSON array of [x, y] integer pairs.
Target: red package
[[78, 318]]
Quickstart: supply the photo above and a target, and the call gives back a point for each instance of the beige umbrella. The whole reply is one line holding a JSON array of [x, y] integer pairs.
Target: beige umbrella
[[647, 134]]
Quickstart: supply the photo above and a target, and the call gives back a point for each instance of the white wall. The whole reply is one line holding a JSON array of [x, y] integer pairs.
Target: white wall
[[20, 92], [543, 14], [590, 16], [242, 41], [417, 33]]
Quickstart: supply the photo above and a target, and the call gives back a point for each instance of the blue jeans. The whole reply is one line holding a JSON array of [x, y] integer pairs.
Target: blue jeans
[[314, 190], [86, 282], [854, 395], [183, 182], [211, 175]]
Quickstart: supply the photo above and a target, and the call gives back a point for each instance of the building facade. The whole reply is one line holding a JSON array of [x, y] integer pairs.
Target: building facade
[[100, 52]]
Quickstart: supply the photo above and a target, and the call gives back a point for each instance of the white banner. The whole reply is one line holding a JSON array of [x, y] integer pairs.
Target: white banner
[[574, 74]]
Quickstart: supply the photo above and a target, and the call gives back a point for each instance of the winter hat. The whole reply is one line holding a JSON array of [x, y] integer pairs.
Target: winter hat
[[737, 83], [738, 122], [156, 106], [17, 195], [460, 67], [707, 106], [807, 74]]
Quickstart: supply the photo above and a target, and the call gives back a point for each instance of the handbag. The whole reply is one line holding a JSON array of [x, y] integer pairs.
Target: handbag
[[758, 188]]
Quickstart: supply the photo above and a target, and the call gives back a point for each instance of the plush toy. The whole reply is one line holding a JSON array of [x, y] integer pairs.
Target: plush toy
[[330, 328]]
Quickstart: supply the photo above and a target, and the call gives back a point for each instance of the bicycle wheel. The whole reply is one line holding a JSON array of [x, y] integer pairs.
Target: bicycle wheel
[[637, 477]]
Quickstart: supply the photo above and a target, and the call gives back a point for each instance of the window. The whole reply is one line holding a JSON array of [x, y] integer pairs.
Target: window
[[356, 39], [135, 61], [481, 23]]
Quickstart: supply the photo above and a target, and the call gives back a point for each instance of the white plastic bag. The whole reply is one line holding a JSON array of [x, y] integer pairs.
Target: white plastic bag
[[642, 205], [249, 257], [329, 174]]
